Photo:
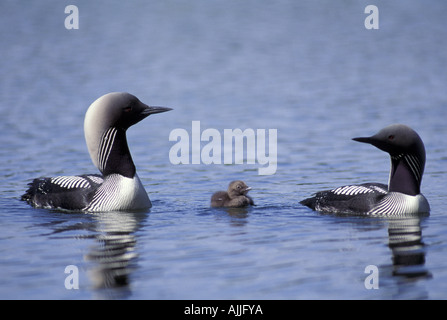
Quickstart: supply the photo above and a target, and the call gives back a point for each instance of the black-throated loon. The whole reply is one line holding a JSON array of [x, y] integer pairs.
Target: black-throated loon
[[401, 196], [118, 188], [235, 197]]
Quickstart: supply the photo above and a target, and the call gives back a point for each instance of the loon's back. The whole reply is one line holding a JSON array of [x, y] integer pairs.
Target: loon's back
[[372, 199], [63, 192], [91, 193], [350, 199]]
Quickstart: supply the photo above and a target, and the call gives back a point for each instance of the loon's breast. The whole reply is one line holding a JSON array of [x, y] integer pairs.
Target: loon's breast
[[398, 204], [119, 193]]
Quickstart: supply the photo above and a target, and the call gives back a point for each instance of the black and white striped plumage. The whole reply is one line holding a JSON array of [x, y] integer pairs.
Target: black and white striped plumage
[[118, 188], [402, 194], [63, 192]]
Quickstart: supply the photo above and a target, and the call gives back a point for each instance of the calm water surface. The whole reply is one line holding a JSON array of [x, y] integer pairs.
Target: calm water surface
[[310, 70]]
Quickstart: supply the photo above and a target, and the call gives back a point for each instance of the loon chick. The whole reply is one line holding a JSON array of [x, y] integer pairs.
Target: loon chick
[[118, 188], [401, 196], [235, 197]]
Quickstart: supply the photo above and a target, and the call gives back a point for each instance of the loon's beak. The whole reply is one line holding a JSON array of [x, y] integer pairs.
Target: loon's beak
[[378, 142], [152, 110], [364, 139]]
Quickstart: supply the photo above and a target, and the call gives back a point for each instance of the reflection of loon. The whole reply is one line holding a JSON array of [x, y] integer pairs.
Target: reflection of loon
[[119, 187], [114, 256], [401, 196], [405, 242]]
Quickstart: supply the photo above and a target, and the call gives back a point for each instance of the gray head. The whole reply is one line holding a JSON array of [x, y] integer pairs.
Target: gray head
[[407, 153], [237, 188], [397, 139], [118, 110]]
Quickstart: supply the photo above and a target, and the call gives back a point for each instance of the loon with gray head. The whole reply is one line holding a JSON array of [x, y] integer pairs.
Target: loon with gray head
[[401, 196], [118, 188]]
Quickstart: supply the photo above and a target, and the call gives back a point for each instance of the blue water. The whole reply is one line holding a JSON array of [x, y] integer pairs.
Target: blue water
[[309, 69]]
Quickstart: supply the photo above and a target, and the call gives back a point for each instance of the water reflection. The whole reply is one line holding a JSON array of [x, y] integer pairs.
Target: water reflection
[[238, 215], [114, 254], [241, 213], [405, 242]]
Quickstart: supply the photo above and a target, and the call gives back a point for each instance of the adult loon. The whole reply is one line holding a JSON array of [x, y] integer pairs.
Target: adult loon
[[118, 188], [401, 196], [235, 197]]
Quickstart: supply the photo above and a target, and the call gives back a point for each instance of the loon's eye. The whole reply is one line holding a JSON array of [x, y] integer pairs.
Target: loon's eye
[[128, 109], [391, 137]]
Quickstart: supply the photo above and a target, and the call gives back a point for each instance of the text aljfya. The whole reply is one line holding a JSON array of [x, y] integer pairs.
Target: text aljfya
[[234, 310]]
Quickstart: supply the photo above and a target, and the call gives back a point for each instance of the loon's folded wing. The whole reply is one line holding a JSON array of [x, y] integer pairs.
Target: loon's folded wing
[[62, 192], [348, 199]]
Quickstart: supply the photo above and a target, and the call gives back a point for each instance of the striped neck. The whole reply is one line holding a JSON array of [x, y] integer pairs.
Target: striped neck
[[406, 174], [114, 155]]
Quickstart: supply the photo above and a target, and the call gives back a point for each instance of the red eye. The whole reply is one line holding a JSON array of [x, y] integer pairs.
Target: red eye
[[391, 137], [128, 109]]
